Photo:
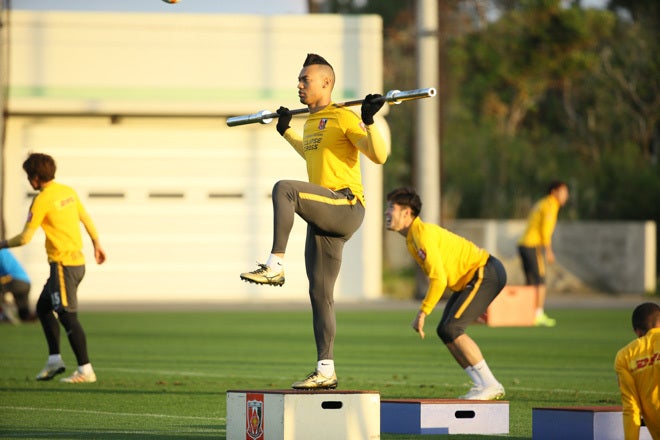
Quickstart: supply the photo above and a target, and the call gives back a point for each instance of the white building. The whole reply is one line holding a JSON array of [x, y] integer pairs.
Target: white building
[[133, 108]]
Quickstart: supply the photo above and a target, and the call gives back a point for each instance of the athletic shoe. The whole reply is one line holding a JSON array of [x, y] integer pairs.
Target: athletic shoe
[[544, 320], [316, 381], [8, 314], [51, 370], [78, 377], [264, 275], [478, 392]]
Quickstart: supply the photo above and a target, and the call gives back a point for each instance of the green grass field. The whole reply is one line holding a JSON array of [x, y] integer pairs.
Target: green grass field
[[164, 375]]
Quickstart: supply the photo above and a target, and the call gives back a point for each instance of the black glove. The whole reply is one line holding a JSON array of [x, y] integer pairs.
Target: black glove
[[369, 108], [283, 120]]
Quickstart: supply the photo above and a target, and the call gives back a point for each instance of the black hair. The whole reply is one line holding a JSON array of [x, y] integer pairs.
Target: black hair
[[406, 196], [40, 165], [313, 58], [644, 316], [555, 184]]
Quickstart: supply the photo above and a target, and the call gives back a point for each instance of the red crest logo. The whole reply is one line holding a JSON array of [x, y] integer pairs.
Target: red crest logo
[[254, 416], [421, 254], [322, 123]]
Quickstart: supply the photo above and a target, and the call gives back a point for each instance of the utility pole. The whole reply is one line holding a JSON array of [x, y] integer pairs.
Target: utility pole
[[427, 128]]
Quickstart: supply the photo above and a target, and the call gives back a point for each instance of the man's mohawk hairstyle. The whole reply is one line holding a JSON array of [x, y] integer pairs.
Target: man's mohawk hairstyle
[[313, 58]]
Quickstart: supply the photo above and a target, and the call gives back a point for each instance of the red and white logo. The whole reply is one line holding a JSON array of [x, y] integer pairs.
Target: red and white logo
[[322, 123], [254, 416], [421, 254]]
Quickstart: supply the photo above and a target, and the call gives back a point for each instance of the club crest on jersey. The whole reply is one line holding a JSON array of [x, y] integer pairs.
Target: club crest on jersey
[[322, 123], [421, 254]]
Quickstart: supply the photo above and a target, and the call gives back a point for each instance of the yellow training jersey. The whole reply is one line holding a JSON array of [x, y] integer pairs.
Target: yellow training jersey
[[329, 145], [541, 223], [637, 367], [448, 259], [59, 212]]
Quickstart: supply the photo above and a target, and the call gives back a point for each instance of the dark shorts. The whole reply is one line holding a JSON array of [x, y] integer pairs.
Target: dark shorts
[[62, 286], [464, 307], [533, 263]]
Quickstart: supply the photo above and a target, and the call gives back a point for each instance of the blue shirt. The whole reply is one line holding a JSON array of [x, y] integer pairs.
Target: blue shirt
[[9, 265]]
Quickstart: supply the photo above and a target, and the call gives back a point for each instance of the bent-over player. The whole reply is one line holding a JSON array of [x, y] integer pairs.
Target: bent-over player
[[14, 279], [474, 277], [59, 212], [332, 202]]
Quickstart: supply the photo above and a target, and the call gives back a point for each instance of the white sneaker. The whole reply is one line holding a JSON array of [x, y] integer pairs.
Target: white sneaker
[[51, 370], [78, 377], [478, 392]]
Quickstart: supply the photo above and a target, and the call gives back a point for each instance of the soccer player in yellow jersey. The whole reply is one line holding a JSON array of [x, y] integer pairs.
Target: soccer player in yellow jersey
[[332, 202], [637, 366], [450, 261], [535, 246], [59, 212]]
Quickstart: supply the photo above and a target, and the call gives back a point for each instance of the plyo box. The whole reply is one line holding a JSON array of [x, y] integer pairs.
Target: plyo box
[[303, 415], [444, 416], [580, 423], [515, 306]]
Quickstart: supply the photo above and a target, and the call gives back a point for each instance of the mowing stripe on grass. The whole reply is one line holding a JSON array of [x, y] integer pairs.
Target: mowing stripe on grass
[[76, 434], [387, 382], [108, 413]]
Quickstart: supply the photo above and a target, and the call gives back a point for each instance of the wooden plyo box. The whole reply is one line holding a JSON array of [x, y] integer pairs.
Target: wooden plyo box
[[515, 306], [580, 423], [444, 416], [303, 415]]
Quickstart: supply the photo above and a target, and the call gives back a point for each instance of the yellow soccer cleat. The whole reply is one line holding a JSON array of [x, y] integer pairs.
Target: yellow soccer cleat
[[264, 275], [316, 381]]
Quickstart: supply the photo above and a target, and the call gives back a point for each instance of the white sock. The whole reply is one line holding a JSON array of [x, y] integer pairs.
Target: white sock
[[470, 370], [326, 367], [85, 369], [54, 358], [485, 375], [274, 262], [539, 312]]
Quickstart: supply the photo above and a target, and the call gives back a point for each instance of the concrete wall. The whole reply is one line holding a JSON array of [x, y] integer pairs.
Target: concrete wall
[[616, 256]]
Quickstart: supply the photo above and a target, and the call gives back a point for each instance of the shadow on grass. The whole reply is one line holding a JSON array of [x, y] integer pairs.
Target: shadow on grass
[[78, 391], [211, 431]]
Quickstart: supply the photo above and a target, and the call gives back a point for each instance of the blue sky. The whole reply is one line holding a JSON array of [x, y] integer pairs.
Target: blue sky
[[218, 6]]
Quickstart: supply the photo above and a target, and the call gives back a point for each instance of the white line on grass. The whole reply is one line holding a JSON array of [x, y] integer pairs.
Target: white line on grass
[[108, 413], [166, 372]]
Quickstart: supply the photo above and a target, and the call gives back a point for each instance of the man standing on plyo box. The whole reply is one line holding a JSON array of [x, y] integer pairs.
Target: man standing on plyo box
[[332, 202]]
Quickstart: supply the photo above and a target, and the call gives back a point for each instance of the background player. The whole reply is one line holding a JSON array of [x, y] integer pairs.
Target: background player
[[59, 212], [14, 280], [637, 367], [535, 246]]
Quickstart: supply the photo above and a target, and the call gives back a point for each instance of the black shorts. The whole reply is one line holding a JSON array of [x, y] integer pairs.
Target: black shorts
[[464, 307], [533, 263], [62, 286]]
